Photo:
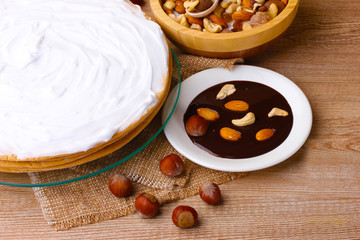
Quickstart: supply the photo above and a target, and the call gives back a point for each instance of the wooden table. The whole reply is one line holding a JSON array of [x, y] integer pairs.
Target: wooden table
[[313, 195]]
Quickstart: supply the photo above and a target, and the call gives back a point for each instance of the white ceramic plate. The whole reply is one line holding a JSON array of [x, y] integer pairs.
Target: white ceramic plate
[[191, 87]]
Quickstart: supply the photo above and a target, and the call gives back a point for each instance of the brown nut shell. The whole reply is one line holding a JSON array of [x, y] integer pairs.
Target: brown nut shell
[[171, 165], [184, 216], [210, 193], [147, 205], [196, 126], [120, 185]]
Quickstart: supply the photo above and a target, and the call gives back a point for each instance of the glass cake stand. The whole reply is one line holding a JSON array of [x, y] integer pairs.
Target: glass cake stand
[[23, 179]]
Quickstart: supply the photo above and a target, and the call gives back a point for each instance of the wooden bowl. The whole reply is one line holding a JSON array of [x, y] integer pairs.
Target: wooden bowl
[[225, 45]]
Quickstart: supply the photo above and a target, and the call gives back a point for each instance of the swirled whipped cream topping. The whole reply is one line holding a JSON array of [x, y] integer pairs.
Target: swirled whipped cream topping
[[75, 72]]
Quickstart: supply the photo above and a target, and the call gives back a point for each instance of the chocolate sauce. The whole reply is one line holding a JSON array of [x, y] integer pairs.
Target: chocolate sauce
[[261, 100]]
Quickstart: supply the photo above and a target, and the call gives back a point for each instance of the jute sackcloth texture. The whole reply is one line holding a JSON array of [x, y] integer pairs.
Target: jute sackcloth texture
[[90, 201]]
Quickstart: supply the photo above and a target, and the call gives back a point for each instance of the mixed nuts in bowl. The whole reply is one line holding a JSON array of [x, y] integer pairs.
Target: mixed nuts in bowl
[[235, 28]]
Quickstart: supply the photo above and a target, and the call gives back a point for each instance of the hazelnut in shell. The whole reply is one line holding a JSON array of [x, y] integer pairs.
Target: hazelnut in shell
[[171, 165], [196, 126], [147, 205], [210, 193], [120, 185], [184, 216]]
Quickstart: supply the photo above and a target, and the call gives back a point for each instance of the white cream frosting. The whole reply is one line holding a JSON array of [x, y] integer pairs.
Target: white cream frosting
[[75, 72]]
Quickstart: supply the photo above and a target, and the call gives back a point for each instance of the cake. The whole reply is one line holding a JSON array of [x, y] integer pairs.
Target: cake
[[76, 76]]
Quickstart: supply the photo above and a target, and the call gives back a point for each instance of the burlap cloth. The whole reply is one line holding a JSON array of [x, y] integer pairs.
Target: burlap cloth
[[82, 202]]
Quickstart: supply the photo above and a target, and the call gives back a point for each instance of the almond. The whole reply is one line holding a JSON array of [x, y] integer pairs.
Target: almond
[[264, 134], [237, 105], [247, 4], [230, 134], [179, 6], [207, 114], [237, 26], [193, 20], [168, 12], [218, 20], [242, 15]]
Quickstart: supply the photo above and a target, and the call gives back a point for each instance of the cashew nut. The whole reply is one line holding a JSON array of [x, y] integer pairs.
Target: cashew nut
[[180, 19], [260, 1], [277, 112], [169, 5], [190, 5], [232, 8], [241, 8], [218, 10], [225, 91], [272, 11], [183, 20], [256, 5], [226, 3], [173, 17], [248, 119], [211, 27], [196, 26], [246, 26]]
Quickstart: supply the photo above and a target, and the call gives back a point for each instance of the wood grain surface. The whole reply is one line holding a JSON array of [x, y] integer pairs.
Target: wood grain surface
[[313, 195]]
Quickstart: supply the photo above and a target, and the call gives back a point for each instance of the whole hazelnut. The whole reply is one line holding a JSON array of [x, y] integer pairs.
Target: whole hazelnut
[[120, 185], [147, 205], [171, 165], [184, 216], [210, 193], [196, 126]]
